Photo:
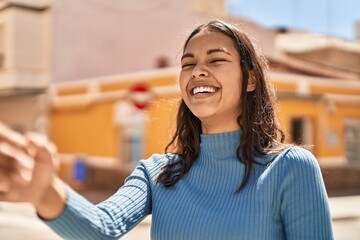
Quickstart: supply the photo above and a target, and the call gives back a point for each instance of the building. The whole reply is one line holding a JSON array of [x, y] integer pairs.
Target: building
[[47, 41], [25, 69], [47, 46]]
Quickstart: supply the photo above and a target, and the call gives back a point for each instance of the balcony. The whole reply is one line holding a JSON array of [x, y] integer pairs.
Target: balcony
[[25, 47]]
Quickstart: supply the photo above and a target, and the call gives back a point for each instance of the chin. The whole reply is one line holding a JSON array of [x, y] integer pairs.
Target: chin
[[203, 116]]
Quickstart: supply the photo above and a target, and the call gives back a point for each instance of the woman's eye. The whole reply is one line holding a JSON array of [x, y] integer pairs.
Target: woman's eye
[[187, 65], [217, 60]]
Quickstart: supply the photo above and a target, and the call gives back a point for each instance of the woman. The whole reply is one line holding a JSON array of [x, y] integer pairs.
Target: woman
[[226, 174]]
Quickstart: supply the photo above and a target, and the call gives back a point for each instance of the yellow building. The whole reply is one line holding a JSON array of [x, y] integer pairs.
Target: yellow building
[[87, 117]]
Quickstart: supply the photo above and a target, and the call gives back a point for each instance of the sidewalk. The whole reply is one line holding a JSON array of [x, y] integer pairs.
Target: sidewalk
[[345, 207], [345, 213], [19, 222]]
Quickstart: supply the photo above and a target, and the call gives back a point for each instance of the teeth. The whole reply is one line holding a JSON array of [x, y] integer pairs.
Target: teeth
[[203, 89]]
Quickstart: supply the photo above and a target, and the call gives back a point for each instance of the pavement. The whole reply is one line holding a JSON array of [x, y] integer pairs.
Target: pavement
[[18, 221]]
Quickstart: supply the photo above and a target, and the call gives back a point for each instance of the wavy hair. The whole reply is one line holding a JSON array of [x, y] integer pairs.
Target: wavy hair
[[261, 135]]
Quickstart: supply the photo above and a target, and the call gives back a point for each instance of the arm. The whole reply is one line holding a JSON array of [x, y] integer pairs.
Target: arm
[[109, 219], [304, 203], [28, 167]]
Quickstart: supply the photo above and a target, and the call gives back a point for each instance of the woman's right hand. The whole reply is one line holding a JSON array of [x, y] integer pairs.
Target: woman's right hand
[[28, 172]]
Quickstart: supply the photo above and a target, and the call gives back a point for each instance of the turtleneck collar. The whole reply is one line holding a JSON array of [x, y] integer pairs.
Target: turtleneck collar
[[220, 145]]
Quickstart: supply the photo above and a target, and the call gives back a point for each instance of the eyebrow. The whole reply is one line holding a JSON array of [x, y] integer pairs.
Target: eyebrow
[[208, 52], [186, 55]]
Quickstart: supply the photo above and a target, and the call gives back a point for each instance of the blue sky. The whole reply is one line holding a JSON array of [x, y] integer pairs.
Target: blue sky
[[330, 17]]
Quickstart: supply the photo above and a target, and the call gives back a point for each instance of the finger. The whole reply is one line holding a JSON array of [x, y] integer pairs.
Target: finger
[[12, 196], [5, 184], [14, 138], [11, 181], [44, 148], [13, 157], [14, 177], [5, 162], [15, 165], [37, 139]]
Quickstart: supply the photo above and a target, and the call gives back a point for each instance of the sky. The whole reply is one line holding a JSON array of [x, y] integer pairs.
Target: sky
[[330, 17]]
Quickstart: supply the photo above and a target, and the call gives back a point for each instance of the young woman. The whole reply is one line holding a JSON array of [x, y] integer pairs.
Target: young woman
[[226, 173]]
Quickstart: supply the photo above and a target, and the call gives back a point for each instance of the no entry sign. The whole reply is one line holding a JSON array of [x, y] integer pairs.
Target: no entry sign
[[140, 95]]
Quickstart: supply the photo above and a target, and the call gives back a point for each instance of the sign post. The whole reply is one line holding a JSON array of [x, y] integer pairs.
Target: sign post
[[131, 116]]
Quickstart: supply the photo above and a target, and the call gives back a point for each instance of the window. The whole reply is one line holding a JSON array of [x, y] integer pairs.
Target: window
[[352, 141], [302, 131]]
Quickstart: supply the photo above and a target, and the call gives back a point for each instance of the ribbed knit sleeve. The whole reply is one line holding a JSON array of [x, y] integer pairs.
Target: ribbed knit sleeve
[[304, 206], [109, 219]]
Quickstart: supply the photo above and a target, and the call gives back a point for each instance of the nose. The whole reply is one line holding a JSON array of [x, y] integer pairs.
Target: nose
[[199, 71]]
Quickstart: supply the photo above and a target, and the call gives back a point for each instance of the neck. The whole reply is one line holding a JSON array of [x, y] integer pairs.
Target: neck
[[222, 145], [207, 128], [219, 123]]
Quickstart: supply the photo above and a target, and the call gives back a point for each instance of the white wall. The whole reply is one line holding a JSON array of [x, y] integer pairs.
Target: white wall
[[91, 38], [26, 46], [95, 37]]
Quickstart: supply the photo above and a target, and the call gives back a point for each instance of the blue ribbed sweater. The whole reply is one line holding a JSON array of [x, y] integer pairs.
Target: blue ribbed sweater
[[285, 199]]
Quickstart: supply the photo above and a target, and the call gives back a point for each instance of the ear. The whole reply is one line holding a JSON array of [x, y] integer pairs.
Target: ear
[[251, 82]]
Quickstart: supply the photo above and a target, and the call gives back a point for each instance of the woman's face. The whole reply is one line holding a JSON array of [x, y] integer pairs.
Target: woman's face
[[210, 81]]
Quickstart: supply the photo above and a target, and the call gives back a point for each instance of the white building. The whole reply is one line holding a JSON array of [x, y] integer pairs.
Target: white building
[[47, 41]]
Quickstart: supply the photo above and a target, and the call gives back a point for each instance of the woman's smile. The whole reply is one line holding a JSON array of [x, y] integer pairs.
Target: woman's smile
[[203, 90]]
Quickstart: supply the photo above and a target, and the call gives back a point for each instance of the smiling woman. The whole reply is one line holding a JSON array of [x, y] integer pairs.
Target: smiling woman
[[225, 174], [210, 81]]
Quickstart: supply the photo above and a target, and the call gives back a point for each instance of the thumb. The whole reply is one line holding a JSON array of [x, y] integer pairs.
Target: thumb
[[42, 149]]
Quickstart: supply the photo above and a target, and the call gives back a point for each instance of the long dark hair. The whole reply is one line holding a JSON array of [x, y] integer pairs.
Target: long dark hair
[[261, 135]]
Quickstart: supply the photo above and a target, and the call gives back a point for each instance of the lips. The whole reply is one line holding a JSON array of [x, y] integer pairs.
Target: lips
[[200, 90]]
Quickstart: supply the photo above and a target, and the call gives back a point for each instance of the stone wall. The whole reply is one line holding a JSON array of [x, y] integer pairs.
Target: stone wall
[[342, 180]]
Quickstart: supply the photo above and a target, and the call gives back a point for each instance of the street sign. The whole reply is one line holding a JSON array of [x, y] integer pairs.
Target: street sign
[[140, 96]]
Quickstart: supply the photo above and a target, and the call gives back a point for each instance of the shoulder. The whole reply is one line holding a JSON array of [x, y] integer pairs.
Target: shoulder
[[155, 159], [297, 160], [296, 155], [154, 164]]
